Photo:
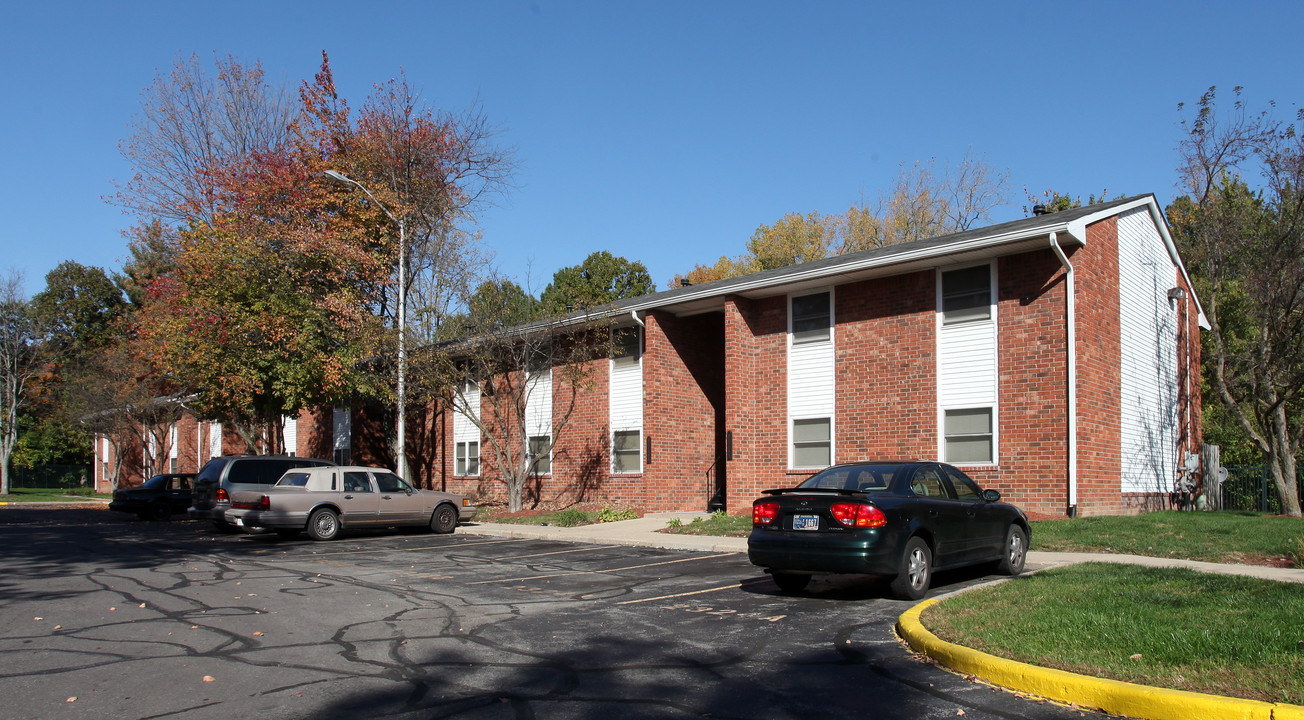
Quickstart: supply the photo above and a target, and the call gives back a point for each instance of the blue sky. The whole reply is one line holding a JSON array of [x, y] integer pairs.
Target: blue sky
[[665, 132]]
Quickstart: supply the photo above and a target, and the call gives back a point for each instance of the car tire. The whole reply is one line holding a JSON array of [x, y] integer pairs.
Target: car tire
[[160, 510], [791, 582], [1014, 552], [916, 571], [323, 525], [287, 533], [444, 520]]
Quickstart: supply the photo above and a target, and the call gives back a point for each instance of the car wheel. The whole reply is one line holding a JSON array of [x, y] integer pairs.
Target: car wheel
[[323, 525], [790, 582], [444, 520], [160, 510], [1016, 552], [287, 533], [911, 582]]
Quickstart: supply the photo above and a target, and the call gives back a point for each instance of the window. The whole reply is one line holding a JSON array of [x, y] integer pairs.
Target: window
[[357, 482], [965, 489], [927, 482], [625, 346], [969, 435], [812, 444], [468, 458], [540, 454], [810, 318], [967, 295], [625, 451], [390, 483]]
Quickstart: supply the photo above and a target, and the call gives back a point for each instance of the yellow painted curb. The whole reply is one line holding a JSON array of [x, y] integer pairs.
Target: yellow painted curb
[[1111, 696]]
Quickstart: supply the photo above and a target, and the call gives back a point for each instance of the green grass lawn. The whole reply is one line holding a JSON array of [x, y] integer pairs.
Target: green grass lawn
[[1180, 629], [1226, 536], [570, 517], [26, 495], [718, 524]]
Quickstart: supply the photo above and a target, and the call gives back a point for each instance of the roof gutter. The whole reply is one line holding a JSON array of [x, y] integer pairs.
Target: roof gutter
[[1072, 353]]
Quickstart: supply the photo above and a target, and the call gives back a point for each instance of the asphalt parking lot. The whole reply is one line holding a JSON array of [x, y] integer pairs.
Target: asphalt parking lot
[[104, 616]]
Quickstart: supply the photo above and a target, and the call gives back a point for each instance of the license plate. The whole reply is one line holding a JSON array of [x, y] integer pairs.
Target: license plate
[[806, 522]]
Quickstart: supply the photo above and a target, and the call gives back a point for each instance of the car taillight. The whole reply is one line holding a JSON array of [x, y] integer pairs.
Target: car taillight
[[764, 513], [858, 515], [221, 496], [264, 503]]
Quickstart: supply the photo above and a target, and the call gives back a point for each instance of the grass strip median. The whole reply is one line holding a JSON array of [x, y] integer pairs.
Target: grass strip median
[[1171, 628]]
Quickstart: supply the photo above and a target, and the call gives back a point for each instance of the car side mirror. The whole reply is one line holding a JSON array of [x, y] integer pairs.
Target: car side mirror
[[991, 495]]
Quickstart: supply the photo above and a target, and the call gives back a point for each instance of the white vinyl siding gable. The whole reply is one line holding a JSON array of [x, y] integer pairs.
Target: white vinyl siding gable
[[1148, 375]]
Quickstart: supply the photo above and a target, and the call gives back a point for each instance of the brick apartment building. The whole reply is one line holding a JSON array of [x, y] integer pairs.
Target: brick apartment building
[[1054, 358]]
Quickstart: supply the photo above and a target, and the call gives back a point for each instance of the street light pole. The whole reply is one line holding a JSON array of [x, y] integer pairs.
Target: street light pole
[[400, 448]]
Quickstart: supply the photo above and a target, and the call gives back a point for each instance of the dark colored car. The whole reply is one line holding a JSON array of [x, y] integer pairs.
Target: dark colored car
[[902, 520], [222, 477], [156, 498]]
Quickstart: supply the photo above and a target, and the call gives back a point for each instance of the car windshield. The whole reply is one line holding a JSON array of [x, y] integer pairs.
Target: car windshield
[[293, 479], [853, 477], [158, 482]]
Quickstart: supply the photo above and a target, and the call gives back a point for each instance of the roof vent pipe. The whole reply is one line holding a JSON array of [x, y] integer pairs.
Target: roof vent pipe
[[1040, 209]]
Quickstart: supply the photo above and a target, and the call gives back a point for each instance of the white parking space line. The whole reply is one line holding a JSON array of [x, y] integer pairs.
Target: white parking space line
[[318, 554], [733, 586], [558, 552], [599, 572]]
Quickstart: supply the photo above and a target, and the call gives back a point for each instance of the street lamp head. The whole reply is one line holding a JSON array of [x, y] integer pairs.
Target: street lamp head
[[337, 176]]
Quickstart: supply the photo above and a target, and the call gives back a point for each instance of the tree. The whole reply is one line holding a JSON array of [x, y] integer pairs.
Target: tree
[[1245, 246], [80, 307], [601, 279], [500, 375], [22, 361], [926, 201], [192, 121], [77, 315]]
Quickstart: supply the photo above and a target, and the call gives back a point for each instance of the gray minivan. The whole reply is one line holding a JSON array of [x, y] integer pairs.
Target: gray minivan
[[222, 477]]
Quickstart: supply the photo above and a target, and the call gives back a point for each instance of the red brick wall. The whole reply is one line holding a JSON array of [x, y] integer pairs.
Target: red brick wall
[[1032, 337], [756, 397], [683, 392], [886, 368], [1100, 356]]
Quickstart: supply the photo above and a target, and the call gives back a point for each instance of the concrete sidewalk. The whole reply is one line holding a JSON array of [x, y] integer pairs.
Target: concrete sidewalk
[[643, 532]]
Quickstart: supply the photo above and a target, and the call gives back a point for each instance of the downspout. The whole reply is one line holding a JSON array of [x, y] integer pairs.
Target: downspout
[[634, 314], [1072, 352]]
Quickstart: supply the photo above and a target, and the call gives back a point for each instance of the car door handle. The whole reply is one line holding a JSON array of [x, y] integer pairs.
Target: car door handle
[[348, 497]]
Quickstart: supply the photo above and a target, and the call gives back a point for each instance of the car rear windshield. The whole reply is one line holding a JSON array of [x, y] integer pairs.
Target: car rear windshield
[[853, 477], [212, 470], [293, 479]]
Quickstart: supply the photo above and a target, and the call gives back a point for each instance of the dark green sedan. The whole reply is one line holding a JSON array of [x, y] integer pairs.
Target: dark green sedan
[[902, 520]]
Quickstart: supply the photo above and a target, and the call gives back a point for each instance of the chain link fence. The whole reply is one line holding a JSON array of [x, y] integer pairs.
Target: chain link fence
[[52, 477]]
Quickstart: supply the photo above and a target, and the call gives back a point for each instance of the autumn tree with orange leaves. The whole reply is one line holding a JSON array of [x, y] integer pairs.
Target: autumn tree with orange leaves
[[282, 293]]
